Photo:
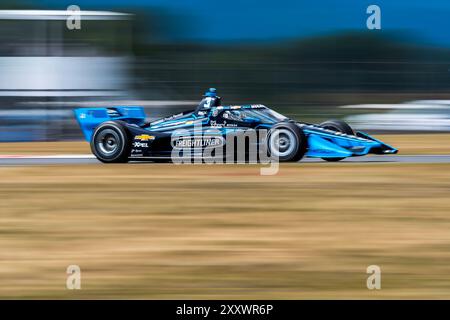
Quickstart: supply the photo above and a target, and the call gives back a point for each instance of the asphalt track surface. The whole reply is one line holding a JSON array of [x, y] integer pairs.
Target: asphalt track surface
[[90, 159]]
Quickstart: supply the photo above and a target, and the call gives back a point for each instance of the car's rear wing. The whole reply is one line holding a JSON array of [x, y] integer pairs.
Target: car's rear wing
[[90, 118]]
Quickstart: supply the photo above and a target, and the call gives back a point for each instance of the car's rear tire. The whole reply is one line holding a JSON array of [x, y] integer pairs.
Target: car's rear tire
[[286, 142], [110, 142], [338, 126]]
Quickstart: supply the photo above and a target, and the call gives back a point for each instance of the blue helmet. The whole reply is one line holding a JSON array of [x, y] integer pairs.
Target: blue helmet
[[211, 92]]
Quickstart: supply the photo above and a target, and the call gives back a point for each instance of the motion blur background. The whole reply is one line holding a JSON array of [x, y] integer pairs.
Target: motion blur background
[[190, 232], [304, 59]]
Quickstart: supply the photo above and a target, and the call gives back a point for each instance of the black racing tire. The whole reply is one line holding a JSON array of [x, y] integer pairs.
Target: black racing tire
[[286, 142], [110, 142], [338, 126]]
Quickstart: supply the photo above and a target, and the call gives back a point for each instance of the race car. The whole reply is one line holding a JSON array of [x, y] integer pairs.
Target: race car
[[121, 133]]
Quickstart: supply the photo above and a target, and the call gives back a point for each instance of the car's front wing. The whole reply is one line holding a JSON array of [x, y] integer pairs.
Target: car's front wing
[[324, 143]]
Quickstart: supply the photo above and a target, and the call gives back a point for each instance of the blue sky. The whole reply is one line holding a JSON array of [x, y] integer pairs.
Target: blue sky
[[240, 20]]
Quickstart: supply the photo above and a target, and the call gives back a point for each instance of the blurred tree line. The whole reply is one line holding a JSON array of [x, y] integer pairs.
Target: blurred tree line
[[343, 63], [352, 67]]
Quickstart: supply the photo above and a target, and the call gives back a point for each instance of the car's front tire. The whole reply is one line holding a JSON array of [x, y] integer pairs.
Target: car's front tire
[[110, 142], [338, 126], [286, 142]]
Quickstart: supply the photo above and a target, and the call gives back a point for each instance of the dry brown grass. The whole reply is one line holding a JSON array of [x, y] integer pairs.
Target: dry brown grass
[[406, 143], [167, 231], [418, 143], [45, 148]]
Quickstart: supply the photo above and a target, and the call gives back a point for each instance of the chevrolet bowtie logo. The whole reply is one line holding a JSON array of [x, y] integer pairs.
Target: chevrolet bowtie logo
[[144, 137]]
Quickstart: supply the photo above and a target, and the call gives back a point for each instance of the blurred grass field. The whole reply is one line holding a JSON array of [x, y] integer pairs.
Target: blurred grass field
[[200, 231], [406, 143]]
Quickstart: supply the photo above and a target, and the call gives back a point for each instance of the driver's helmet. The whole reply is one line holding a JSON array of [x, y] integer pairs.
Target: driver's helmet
[[210, 99], [212, 92]]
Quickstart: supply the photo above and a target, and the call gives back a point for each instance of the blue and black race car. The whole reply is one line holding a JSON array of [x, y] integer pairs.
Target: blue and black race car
[[120, 134]]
